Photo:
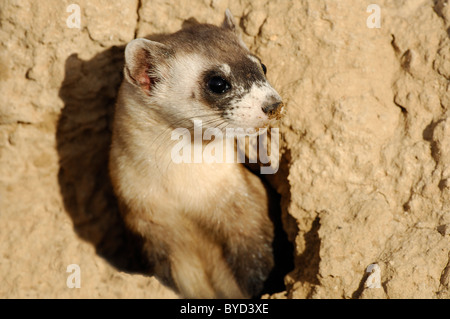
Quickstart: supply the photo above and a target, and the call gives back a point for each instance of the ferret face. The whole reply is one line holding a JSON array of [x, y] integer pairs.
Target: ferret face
[[240, 91], [203, 73]]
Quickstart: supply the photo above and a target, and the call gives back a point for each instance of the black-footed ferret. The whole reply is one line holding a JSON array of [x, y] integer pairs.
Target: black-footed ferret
[[206, 227]]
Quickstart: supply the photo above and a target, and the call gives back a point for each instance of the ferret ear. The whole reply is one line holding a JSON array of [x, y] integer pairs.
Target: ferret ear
[[229, 24], [142, 58]]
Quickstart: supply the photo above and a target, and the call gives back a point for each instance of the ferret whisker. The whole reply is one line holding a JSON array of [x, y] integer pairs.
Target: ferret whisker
[[165, 131]]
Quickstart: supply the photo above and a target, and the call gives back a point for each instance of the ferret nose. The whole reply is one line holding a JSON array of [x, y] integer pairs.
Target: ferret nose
[[272, 107]]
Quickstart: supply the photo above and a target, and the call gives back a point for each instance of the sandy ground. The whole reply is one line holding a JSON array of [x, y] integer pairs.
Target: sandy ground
[[366, 143]]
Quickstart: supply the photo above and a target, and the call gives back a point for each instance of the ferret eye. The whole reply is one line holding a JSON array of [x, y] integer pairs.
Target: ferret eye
[[218, 85], [264, 68]]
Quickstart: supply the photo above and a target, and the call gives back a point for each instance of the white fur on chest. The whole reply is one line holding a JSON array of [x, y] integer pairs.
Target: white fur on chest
[[156, 180]]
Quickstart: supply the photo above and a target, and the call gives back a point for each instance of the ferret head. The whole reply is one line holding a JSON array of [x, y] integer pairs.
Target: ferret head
[[203, 72]]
